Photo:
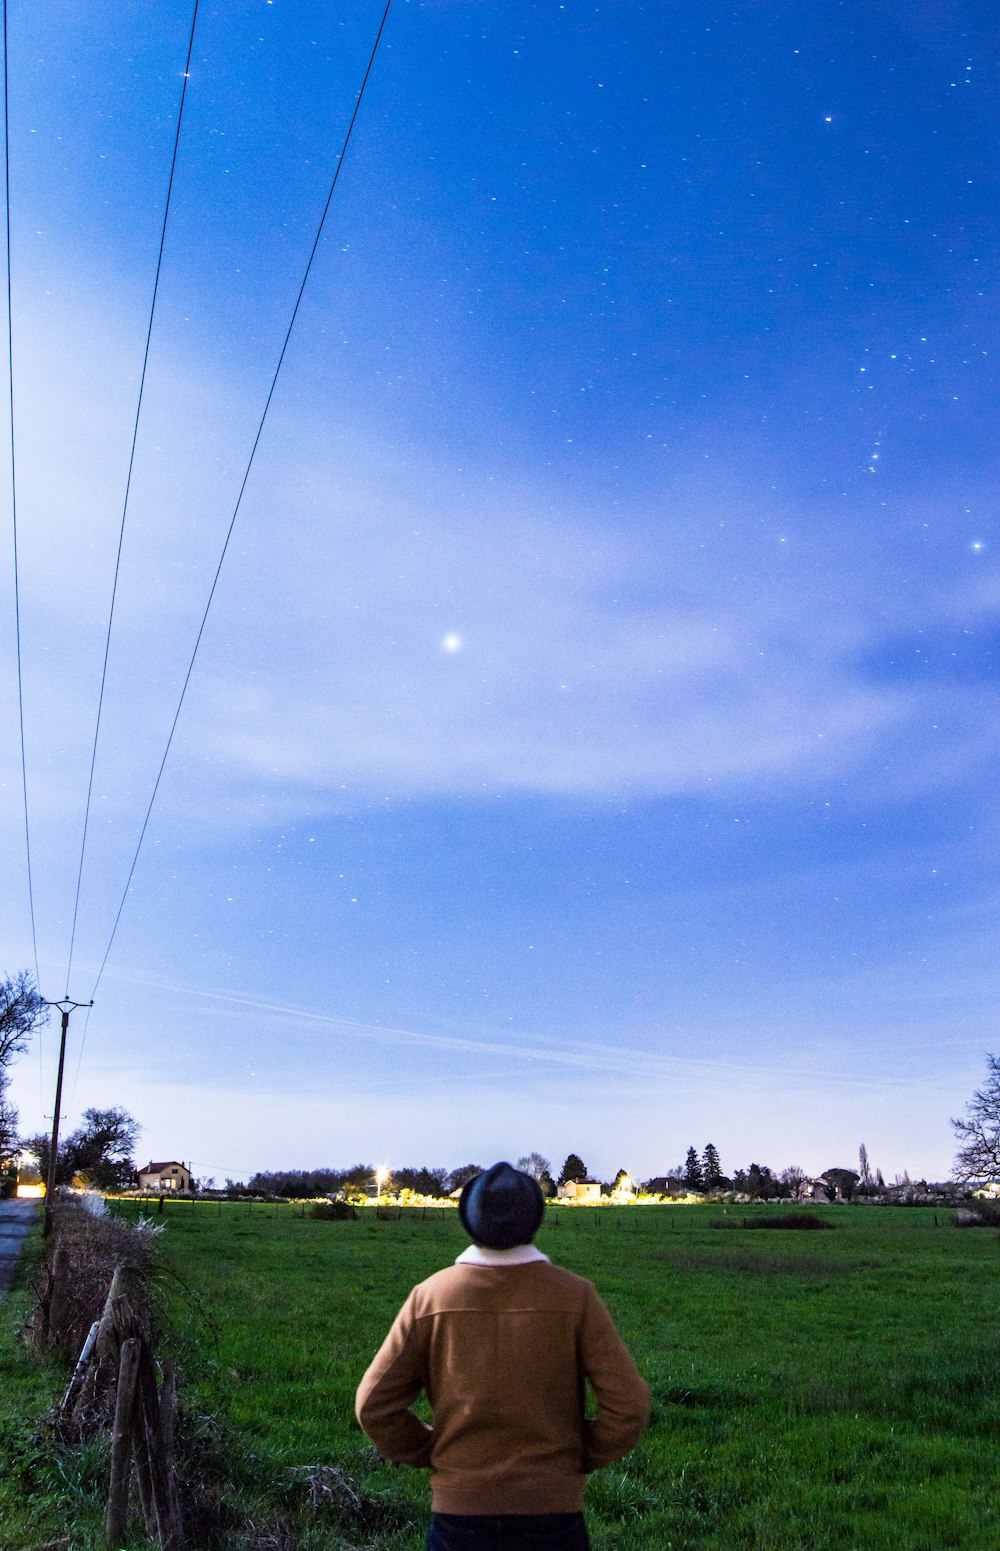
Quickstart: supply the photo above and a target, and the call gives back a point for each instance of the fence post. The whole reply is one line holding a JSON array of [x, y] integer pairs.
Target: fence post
[[121, 1442], [57, 1296], [168, 1408], [166, 1524]]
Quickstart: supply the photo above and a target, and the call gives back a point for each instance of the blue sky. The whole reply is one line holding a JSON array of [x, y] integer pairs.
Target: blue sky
[[592, 743]]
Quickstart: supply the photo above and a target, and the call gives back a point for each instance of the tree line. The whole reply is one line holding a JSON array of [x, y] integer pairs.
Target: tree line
[[101, 1148]]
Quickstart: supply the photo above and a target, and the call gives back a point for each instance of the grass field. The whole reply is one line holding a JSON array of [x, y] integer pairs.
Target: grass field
[[827, 1391]]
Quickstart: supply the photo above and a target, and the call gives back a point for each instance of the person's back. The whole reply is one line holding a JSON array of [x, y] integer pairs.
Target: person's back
[[503, 1343]]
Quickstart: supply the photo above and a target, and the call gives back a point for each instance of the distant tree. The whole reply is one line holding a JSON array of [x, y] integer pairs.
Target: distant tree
[[21, 1012], [623, 1181], [711, 1168], [459, 1178], [692, 1170], [548, 1186], [534, 1164], [761, 1183], [845, 1180], [864, 1168], [978, 1130], [8, 1122], [424, 1181], [40, 1147], [100, 1150], [740, 1182], [793, 1181], [296, 1184], [573, 1169]]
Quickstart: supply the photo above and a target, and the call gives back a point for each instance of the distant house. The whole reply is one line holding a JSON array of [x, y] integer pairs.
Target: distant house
[[665, 1185], [166, 1176], [580, 1191]]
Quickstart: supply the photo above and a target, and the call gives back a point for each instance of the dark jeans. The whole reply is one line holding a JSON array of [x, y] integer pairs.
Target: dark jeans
[[507, 1532]]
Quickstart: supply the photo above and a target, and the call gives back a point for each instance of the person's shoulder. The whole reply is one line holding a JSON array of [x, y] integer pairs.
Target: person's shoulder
[[457, 1280], [558, 1276], [439, 1284], [574, 1289]]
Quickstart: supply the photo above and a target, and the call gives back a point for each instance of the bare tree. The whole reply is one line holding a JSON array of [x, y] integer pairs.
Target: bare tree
[[534, 1164], [794, 1178], [99, 1150], [978, 1132], [864, 1165], [21, 1011], [8, 1123], [460, 1177]]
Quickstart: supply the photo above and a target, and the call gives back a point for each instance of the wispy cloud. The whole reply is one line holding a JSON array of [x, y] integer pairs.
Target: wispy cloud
[[520, 1047], [391, 626]]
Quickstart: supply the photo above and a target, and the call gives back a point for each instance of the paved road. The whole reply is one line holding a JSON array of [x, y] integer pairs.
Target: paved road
[[16, 1218]]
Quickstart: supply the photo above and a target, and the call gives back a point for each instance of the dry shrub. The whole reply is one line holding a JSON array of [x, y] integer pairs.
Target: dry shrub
[[807, 1220], [334, 1211], [985, 1214], [87, 1248], [328, 1487]]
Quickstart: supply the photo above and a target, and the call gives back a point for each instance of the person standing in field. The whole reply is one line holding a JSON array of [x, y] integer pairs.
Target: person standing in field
[[503, 1344]]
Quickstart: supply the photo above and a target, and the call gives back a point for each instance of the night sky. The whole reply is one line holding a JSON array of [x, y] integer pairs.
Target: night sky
[[592, 741]]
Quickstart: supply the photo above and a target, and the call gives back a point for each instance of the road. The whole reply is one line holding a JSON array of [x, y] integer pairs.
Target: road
[[16, 1218]]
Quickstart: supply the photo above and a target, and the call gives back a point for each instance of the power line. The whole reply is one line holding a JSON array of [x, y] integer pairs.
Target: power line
[[243, 486], [13, 501], [79, 1059], [128, 487]]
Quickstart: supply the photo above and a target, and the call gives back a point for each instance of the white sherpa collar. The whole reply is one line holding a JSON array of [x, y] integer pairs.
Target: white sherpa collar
[[520, 1255]]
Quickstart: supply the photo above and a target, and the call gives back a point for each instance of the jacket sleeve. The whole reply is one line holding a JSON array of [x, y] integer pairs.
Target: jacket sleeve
[[621, 1392], [388, 1390]]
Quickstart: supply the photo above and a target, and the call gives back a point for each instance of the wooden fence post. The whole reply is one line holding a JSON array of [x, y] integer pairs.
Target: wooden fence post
[[168, 1410], [163, 1500], [57, 1296], [121, 1442]]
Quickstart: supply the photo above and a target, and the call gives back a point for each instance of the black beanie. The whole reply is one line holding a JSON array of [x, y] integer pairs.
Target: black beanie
[[502, 1207]]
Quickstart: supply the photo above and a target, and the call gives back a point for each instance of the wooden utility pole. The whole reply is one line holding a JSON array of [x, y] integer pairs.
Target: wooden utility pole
[[66, 1006]]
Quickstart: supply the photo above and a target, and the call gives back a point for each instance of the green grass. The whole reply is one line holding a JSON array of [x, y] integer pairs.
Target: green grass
[[833, 1391], [38, 1485]]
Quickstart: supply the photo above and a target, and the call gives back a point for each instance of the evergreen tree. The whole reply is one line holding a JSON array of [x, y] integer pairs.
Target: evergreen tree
[[761, 1183], [711, 1168], [692, 1170], [573, 1168]]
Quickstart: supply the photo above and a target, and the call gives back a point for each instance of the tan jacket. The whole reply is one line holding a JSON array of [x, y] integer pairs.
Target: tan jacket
[[502, 1352]]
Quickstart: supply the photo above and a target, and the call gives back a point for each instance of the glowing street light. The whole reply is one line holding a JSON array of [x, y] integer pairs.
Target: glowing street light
[[381, 1175]]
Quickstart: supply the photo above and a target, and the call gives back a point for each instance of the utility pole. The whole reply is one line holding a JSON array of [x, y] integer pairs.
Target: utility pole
[[66, 1006]]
